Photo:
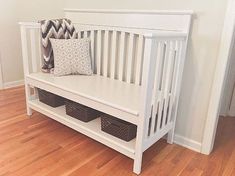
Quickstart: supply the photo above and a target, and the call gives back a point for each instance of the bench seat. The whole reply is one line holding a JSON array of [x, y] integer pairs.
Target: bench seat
[[119, 98]]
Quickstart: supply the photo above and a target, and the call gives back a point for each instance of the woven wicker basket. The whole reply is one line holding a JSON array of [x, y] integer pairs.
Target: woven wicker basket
[[50, 98], [81, 112], [118, 128]]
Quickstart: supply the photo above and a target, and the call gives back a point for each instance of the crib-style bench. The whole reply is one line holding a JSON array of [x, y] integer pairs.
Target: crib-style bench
[[137, 75]]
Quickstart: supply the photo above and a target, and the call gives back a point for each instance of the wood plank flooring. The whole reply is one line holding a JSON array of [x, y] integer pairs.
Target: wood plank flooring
[[39, 146]]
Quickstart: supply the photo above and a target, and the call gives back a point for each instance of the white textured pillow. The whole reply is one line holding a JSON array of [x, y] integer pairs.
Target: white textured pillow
[[71, 56]]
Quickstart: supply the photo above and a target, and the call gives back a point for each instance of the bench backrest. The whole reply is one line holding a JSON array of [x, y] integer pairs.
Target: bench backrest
[[118, 37]]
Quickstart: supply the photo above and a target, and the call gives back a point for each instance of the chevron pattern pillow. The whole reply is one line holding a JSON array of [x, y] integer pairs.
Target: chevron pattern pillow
[[58, 29]]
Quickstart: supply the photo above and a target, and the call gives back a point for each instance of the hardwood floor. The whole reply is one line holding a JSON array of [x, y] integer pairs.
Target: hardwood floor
[[39, 146]]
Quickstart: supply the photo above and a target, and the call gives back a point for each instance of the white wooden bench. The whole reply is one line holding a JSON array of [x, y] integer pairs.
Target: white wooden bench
[[138, 60]]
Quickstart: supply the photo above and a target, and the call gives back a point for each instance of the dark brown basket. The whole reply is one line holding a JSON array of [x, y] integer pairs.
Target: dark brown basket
[[118, 128], [81, 112], [50, 98]]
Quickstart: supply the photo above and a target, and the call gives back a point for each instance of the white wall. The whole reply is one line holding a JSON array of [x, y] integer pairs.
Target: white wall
[[11, 12], [202, 56]]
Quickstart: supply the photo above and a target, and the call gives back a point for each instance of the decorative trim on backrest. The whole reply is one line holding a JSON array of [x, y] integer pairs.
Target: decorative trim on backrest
[[133, 19]]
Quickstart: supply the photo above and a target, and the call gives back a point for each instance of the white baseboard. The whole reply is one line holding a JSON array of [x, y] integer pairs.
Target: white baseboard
[[188, 143], [13, 84]]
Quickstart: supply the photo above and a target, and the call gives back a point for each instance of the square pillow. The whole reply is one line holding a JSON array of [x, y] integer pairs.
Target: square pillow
[[71, 56]]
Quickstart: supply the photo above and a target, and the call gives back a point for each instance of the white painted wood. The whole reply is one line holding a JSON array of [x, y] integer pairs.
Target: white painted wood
[[113, 55], [124, 103], [106, 53], [140, 31], [26, 66], [24, 50], [40, 49], [158, 79], [221, 70], [146, 100], [168, 82], [126, 11], [121, 56], [33, 50], [155, 99], [91, 129], [165, 81], [98, 52], [130, 58], [13, 84], [148, 143], [176, 67], [139, 59], [92, 37], [86, 34], [187, 142], [79, 33], [156, 20]]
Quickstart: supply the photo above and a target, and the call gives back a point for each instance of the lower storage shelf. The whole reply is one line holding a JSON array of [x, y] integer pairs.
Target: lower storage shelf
[[91, 129]]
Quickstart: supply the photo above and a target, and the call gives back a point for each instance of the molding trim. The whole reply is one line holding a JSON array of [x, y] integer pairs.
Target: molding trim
[[12, 84], [187, 143], [165, 12], [221, 70]]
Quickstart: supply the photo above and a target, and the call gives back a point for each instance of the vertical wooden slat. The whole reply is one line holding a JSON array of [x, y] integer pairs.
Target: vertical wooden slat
[[154, 117], [155, 101], [179, 48], [24, 50], [33, 49], [170, 67], [85, 34], [159, 65], [79, 33], [92, 37], [40, 48], [121, 57], [106, 52], [159, 112], [98, 52], [165, 80], [168, 79], [175, 75], [162, 68], [139, 57], [113, 55], [130, 58], [26, 65]]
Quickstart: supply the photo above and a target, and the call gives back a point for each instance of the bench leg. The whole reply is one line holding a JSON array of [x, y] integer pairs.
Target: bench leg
[[139, 149], [138, 163], [27, 96], [170, 136], [29, 111], [171, 133]]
